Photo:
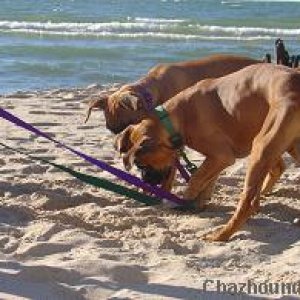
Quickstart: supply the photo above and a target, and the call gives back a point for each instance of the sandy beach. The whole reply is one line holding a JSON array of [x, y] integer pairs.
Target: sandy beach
[[63, 239]]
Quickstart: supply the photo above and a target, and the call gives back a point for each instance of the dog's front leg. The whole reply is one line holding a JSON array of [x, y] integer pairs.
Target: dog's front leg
[[203, 179], [168, 181], [208, 191]]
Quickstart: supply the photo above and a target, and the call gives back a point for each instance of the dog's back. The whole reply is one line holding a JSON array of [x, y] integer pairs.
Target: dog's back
[[179, 76], [273, 82], [239, 102]]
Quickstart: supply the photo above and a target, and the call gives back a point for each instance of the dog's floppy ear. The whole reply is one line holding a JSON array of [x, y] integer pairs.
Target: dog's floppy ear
[[123, 144], [131, 150], [144, 146], [100, 103], [130, 102], [122, 141]]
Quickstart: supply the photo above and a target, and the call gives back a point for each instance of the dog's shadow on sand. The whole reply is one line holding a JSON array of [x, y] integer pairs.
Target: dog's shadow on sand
[[28, 281], [277, 232]]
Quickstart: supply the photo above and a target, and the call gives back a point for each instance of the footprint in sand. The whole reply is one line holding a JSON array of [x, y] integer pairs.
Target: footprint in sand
[[37, 112], [34, 169], [60, 113], [8, 244], [41, 249], [2, 162], [291, 192], [46, 124], [126, 274]]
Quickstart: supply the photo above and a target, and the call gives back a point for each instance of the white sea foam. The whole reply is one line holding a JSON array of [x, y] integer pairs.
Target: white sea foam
[[156, 20], [247, 30], [154, 35], [149, 28], [80, 27]]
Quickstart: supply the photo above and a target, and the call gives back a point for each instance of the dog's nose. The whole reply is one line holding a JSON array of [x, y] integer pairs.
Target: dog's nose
[[152, 176]]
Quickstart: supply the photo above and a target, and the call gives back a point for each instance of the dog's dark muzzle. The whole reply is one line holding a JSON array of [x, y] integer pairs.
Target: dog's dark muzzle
[[153, 176]]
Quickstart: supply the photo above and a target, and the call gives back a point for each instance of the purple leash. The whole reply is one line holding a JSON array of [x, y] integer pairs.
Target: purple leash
[[149, 105], [131, 179], [185, 175]]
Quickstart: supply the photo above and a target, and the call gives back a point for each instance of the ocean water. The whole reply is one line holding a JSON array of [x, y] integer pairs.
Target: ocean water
[[68, 43]]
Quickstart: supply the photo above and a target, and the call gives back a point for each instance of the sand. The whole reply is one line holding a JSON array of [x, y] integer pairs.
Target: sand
[[63, 239]]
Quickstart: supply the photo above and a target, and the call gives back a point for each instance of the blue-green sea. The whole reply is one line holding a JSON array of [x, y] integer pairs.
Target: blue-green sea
[[68, 43]]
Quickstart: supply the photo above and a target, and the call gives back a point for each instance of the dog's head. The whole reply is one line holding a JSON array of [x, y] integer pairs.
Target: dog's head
[[147, 146], [120, 108]]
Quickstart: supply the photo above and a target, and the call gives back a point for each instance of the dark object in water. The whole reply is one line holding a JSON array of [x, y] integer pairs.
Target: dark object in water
[[282, 56], [295, 61], [267, 58]]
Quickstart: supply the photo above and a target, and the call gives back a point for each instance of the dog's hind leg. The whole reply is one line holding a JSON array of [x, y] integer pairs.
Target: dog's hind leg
[[294, 151], [278, 168], [273, 175], [275, 137]]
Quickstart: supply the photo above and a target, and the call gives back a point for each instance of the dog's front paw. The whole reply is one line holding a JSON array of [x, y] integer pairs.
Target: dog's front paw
[[191, 206], [190, 193], [200, 205], [218, 235], [200, 199]]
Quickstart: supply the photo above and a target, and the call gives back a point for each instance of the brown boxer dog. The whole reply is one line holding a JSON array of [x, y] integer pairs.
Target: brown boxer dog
[[129, 104], [253, 111]]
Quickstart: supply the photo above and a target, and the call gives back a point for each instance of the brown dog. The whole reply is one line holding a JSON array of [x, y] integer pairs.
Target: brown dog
[[129, 104], [255, 110]]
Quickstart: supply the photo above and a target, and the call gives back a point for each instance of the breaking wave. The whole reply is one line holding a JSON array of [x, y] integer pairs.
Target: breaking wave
[[148, 28]]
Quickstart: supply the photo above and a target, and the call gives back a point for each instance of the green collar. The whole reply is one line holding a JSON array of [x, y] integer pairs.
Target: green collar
[[175, 138]]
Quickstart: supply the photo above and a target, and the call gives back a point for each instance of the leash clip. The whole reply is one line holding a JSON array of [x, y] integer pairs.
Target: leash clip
[[191, 168]]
